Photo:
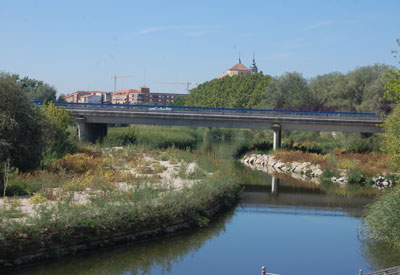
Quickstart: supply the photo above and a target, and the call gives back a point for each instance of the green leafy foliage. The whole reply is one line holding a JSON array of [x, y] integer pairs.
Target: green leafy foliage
[[21, 126], [36, 90], [290, 91], [361, 90], [383, 219], [237, 92], [391, 125], [57, 137], [179, 101]]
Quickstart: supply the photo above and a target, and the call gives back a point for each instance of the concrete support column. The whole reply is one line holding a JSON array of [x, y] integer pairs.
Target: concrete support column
[[277, 136], [91, 132]]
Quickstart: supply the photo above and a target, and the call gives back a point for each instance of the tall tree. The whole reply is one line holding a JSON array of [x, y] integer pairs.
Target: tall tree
[[21, 126], [289, 91], [36, 89]]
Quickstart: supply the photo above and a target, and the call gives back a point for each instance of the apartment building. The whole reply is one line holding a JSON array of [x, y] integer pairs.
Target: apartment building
[[88, 97]]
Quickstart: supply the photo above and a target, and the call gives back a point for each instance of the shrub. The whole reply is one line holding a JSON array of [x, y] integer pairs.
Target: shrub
[[383, 218], [355, 176], [80, 163], [36, 199], [327, 175]]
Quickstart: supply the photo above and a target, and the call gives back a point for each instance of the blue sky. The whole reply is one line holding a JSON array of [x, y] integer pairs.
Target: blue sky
[[79, 45]]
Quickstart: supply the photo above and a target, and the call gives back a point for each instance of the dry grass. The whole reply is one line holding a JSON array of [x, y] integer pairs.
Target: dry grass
[[299, 156], [371, 163]]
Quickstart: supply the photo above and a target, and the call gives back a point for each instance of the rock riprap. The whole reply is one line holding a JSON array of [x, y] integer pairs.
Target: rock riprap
[[267, 163]]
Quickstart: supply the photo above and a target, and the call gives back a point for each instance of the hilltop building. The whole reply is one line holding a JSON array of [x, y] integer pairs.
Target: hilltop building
[[240, 69]]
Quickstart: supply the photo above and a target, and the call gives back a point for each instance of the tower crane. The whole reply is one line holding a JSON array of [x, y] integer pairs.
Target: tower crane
[[115, 80], [188, 83]]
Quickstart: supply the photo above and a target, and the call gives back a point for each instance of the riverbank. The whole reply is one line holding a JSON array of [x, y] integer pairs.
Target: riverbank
[[110, 197], [371, 169]]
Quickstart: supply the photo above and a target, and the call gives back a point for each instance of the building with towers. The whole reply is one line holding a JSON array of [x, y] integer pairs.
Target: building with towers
[[240, 69]]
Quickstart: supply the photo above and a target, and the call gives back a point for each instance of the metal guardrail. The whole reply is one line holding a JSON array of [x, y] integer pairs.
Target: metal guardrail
[[388, 271], [208, 109]]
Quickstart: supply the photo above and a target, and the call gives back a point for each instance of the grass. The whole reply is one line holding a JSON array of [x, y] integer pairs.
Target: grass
[[154, 137], [145, 205]]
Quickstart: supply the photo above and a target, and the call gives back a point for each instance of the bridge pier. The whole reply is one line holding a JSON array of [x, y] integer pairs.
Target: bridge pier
[[91, 131], [277, 136]]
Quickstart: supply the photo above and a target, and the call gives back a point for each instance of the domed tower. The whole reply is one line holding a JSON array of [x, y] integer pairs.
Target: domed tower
[[253, 67]]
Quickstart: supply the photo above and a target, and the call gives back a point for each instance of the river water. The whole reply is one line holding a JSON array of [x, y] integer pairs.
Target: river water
[[291, 228]]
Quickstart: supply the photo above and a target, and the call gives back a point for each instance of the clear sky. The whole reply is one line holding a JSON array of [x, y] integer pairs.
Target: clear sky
[[79, 45]]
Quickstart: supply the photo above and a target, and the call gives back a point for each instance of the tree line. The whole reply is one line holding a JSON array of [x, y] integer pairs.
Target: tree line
[[360, 90]]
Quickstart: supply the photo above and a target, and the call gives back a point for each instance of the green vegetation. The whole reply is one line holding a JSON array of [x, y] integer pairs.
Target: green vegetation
[[383, 217], [29, 136], [21, 127], [236, 92], [360, 90], [179, 101], [35, 89], [325, 142], [154, 137], [97, 195], [391, 138]]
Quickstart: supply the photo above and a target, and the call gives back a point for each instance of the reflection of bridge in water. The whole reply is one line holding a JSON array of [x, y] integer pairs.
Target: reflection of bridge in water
[[278, 196], [93, 119]]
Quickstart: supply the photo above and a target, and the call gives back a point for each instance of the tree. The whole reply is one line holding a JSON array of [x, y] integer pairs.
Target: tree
[[391, 125], [179, 101], [360, 90], [244, 91], [61, 98], [21, 126], [56, 134], [289, 91], [36, 89]]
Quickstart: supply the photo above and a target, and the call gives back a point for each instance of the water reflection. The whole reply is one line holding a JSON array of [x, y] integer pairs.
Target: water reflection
[[274, 185], [157, 256], [379, 254], [264, 191]]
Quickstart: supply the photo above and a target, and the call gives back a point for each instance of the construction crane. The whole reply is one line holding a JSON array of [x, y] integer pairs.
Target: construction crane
[[115, 80], [181, 83]]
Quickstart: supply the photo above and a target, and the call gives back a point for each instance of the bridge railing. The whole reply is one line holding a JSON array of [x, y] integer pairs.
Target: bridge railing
[[129, 107]]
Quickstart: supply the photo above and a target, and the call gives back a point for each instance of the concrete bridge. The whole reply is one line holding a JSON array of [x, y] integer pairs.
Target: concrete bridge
[[93, 119]]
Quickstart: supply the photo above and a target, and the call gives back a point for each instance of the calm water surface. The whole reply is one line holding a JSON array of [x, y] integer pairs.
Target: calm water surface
[[295, 230]]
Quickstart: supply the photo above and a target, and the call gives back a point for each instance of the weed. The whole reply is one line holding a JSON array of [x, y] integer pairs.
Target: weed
[[36, 199]]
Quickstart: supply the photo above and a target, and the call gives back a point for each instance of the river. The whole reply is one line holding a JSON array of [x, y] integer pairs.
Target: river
[[290, 228]]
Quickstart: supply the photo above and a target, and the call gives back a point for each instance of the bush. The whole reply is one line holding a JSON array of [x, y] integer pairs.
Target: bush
[[327, 175], [355, 176], [383, 218]]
